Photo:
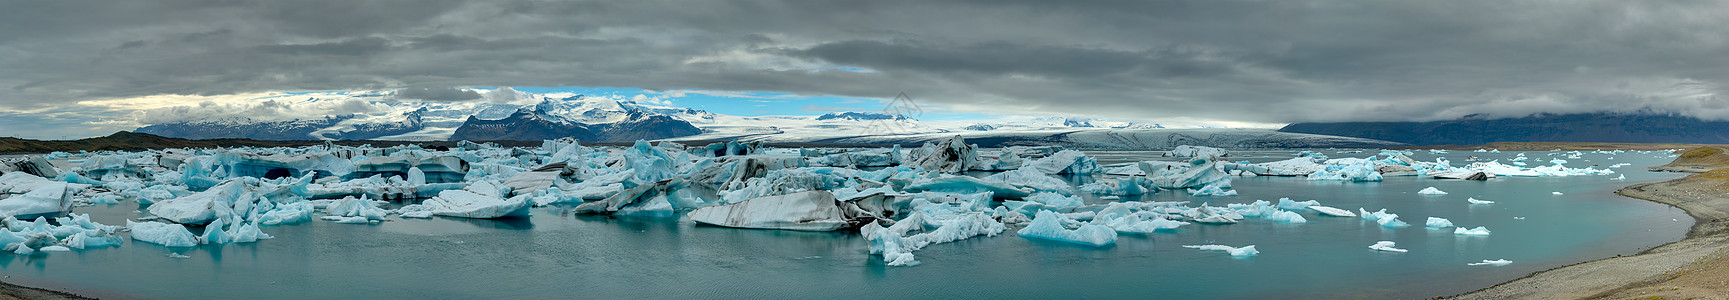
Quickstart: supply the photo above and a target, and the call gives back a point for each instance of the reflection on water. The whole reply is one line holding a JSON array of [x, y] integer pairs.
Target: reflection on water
[[557, 254]]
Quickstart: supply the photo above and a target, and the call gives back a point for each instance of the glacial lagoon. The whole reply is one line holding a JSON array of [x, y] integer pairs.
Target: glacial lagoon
[[559, 254]]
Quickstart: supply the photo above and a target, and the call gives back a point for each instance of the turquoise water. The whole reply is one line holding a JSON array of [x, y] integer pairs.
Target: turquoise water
[[558, 255]]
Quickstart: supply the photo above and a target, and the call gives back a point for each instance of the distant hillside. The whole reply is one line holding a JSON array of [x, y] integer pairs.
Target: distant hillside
[[1472, 130], [132, 141]]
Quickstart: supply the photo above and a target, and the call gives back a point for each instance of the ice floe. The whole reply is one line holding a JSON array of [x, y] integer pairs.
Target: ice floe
[[1386, 246]]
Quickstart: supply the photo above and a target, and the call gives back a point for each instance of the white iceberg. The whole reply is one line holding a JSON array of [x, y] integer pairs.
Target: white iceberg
[[467, 204], [44, 198], [1386, 246], [1286, 217], [1049, 225], [1478, 202], [1244, 251], [1431, 191], [1479, 231], [1555, 193], [1496, 263], [1325, 210], [171, 235], [1437, 223]]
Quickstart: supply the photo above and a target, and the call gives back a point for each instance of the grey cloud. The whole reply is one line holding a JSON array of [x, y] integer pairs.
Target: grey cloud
[[1261, 61], [437, 94]]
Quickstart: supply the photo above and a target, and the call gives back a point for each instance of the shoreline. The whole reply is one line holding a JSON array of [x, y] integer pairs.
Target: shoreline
[[9, 291], [1695, 267]]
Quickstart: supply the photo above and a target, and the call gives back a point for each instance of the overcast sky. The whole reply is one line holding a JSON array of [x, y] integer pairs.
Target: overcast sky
[[75, 68]]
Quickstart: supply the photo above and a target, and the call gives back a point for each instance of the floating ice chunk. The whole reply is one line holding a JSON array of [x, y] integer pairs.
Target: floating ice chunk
[[347, 220], [1200, 172], [1028, 178], [352, 207], [1211, 190], [1049, 225], [1431, 191], [247, 233], [287, 214], [1066, 162], [1555, 193], [1355, 171], [1495, 263], [1386, 246], [1286, 203], [1383, 218], [1286, 217], [55, 249], [1438, 223], [1196, 151], [466, 204], [92, 239], [1479, 231], [952, 156], [1055, 200], [1332, 211], [213, 234], [205, 206], [967, 184], [806, 211], [1622, 177], [1299, 166], [177, 255], [1216, 219], [1244, 251], [1475, 201], [43, 198], [171, 235]]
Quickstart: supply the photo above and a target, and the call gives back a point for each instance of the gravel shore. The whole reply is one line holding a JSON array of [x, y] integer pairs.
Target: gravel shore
[[1696, 267], [10, 291]]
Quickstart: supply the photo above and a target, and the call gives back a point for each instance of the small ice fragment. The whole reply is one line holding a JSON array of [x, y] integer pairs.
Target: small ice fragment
[[177, 255], [1518, 218], [1479, 231], [1556, 193], [1475, 201], [1332, 211], [1244, 251], [1431, 191], [1386, 246], [347, 220], [55, 249], [1622, 177], [1438, 223], [1497, 263]]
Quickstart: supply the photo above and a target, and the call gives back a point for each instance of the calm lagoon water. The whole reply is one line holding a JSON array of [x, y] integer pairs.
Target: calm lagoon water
[[555, 254]]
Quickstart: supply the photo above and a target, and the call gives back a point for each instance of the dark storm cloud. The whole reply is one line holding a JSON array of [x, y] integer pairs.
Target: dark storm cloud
[[1257, 61]]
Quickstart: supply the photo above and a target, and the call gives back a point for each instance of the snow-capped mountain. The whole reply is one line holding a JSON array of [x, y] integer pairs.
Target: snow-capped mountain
[[609, 119]]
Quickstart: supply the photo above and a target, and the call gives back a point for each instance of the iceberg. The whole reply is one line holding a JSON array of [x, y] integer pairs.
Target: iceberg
[[1555, 193], [1200, 172], [1299, 166], [1286, 217], [1438, 223], [359, 208], [1197, 151], [1479, 231], [1431, 191], [896, 249], [287, 214], [1066, 162], [952, 156], [1245, 251], [805, 211], [170, 235], [1331, 211], [1049, 225], [1475, 201], [1211, 190], [968, 184], [1357, 171], [468, 204], [1386, 246], [1495, 263], [44, 198], [1286, 203], [1383, 218]]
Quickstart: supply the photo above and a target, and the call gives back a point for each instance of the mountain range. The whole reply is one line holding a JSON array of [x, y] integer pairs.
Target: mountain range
[[1477, 129]]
